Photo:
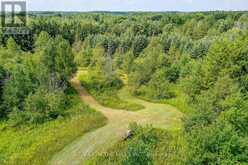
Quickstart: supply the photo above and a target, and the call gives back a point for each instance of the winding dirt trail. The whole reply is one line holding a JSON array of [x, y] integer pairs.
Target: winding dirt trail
[[159, 115]]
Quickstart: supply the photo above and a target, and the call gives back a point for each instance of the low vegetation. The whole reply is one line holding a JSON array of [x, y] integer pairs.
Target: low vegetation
[[39, 112], [106, 90], [24, 144], [146, 146]]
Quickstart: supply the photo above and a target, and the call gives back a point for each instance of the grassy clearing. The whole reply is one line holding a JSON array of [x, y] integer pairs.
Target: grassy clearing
[[26, 144], [153, 145], [106, 96], [159, 116]]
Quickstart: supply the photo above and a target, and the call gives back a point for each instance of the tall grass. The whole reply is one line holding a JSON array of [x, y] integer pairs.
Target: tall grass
[[181, 103], [36, 144], [106, 96], [180, 100], [164, 148]]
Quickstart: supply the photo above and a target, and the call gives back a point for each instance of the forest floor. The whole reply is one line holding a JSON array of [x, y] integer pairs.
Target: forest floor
[[96, 142]]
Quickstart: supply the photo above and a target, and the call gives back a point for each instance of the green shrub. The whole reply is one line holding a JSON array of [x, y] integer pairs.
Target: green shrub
[[138, 153], [147, 146], [44, 105], [158, 88]]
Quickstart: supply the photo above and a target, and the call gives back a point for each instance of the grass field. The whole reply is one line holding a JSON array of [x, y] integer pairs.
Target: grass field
[[25, 145]]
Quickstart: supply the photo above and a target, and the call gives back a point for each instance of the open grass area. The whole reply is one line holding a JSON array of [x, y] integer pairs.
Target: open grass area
[[36, 144], [107, 97]]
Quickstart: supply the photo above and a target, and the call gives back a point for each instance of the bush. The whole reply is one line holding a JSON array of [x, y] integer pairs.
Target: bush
[[158, 88], [45, 105], [147, 146], [138, 153], [217, 144], [173, 73]]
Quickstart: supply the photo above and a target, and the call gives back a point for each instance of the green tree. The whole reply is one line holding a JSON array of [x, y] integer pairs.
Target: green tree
[[158, 87], [58, 59], [42, 40], [16, 89], [84, 57], [2, 79], [44, 105], [12, 45], [140, 42], [64, 60]]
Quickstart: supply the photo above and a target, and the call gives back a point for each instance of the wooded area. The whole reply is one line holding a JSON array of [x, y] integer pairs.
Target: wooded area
[[196, 61]]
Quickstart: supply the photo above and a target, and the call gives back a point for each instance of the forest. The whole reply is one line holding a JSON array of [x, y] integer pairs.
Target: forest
[[196, 62]]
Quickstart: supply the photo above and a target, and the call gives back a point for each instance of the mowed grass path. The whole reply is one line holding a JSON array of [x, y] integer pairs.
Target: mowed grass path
[[96, 142]]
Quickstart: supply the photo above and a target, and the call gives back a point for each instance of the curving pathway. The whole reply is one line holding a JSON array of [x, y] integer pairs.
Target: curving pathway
[[159, 115]]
